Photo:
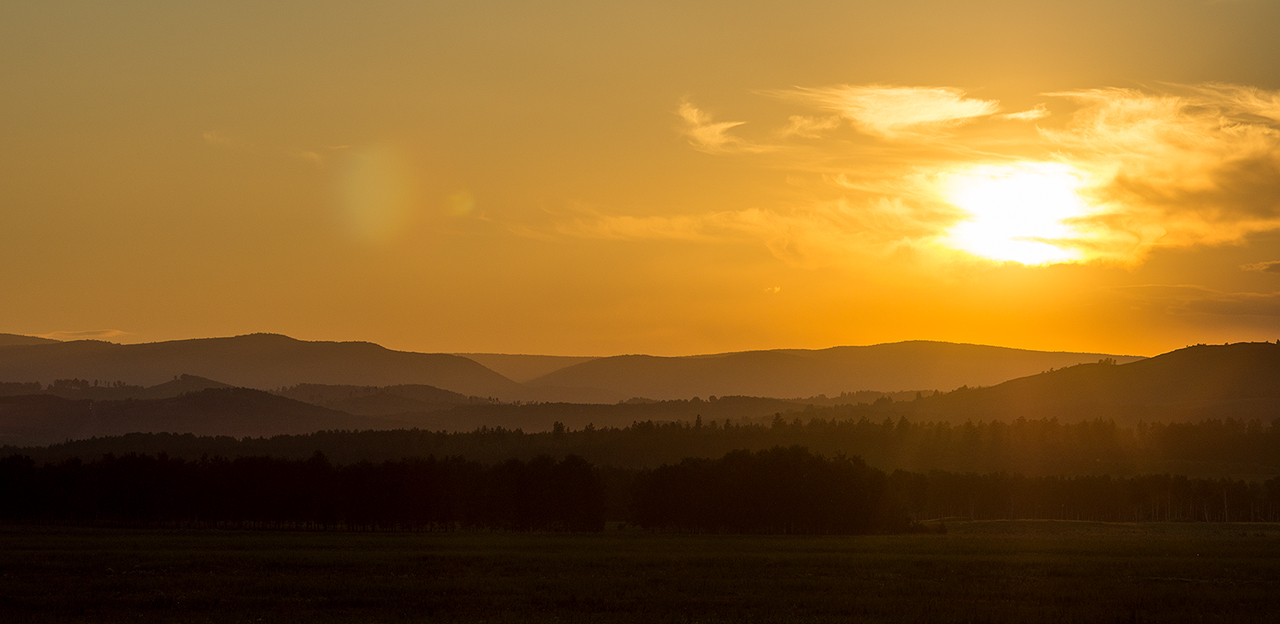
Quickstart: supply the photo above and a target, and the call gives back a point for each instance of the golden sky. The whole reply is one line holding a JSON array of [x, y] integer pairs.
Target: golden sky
[[596, 178]]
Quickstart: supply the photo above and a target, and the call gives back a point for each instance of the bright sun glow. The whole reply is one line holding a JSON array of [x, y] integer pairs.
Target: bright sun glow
[[1017, 213]]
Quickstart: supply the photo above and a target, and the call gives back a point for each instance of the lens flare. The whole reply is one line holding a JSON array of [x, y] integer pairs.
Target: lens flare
[[1018, 213], [376, 192]]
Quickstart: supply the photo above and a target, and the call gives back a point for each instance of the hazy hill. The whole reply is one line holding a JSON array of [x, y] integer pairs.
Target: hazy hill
[[1206, 381], [9, 340], [179, 386], [237, 412], [271, 362], [378, 401], [263, 361], [542, 416], [522, 368], [789, 373], [1240, 381]]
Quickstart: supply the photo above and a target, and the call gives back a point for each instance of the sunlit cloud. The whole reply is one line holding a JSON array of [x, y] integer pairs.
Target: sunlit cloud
[[808, 127], [1039, 112], [813, 236], [891, 112], [1114, 174], [714, 137], [1197, 167]]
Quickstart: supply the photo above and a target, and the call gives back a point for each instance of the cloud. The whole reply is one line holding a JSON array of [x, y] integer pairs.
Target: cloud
[[1170, 167], [1175, 166], [1191, 299], [213, 137], [85, 334], [713, 137], [1265, 267], [813, 236], [808, 127], [218, 139], [1039, 112], [1198, 165], [891, 112]]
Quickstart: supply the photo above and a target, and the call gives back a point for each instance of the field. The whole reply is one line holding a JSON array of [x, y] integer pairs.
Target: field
[[1023, 571]]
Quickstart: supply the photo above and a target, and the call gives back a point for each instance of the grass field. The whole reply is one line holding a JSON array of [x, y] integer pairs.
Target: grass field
[[977, 572]]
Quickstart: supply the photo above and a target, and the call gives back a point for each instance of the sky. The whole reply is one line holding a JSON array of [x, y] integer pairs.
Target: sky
[[597, 178]]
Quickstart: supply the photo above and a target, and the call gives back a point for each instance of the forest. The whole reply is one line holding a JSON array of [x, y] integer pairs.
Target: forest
[[262, 492], [1032, 447], [775, 491]]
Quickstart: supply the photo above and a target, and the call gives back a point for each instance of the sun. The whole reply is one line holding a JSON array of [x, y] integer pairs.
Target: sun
[[1017, 213]]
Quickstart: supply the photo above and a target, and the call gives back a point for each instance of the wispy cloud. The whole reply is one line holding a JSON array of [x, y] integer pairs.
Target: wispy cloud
[[1194, 166], [812, 236], [1192, 299], [808, 127], [1040, 111], [891, 112], [85, 334], [213, 137], [1173, 166], [226, 141], [714, 137], [1264, 267]]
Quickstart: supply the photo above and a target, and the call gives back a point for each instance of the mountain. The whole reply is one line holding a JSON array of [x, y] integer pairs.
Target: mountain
[[916, 365], [522, 368], [10, 340], [1205, 381], [271, 362], [1240, 381], [180, 385], [378, 401], [533, 417], [236, 412], [262, 361]]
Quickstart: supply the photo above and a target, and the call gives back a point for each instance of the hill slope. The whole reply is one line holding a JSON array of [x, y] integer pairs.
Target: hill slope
[[262, 361], [522, 368], [9, 340], [1207, 381], [377, 401], [912, 365], [236, 412]]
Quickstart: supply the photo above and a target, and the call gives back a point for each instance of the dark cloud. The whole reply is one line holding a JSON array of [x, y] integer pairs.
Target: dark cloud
[[1265, 267], [1190, 299]]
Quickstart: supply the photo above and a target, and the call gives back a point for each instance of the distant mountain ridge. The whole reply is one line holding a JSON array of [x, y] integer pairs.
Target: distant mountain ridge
[[272, 362], [10, 340], [1239, 380], [522, 368], [795, 373], [261, 361], [236, 412], [378, 401]]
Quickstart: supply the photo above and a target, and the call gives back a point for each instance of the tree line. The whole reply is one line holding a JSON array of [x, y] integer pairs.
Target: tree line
[[783, 490], [1041, 447], [778, 491], [263, 492]]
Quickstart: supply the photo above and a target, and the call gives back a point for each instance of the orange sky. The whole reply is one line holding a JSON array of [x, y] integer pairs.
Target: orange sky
[[668, 178]]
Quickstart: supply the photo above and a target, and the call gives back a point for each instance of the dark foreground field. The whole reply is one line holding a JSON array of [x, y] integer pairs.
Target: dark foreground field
[[978, 572]]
